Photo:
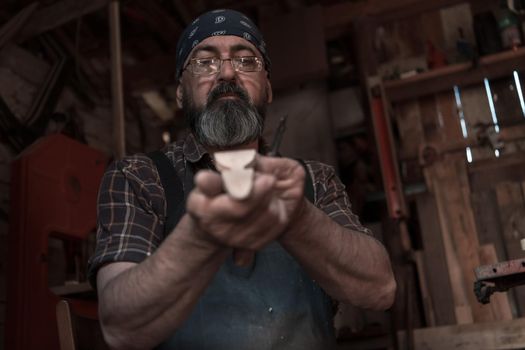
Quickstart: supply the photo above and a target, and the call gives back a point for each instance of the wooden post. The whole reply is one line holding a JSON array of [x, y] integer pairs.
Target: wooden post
[[116, 80]]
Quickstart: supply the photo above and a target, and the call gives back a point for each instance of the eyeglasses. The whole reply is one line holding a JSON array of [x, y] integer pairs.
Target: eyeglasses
[[212, 65]]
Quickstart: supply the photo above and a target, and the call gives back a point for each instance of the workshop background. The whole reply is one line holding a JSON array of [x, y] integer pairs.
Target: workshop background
[[418, 104]]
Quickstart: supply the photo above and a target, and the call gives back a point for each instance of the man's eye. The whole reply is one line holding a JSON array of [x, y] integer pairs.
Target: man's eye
[[204, 62], [247, 61]]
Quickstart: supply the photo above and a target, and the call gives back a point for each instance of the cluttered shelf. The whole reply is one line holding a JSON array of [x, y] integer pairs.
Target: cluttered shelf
[[461, 74]]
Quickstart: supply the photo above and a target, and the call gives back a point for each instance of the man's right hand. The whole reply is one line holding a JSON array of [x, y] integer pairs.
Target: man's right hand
[[247, 224]]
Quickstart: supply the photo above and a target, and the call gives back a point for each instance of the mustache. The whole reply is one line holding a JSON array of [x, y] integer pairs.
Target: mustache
[[227, 88]]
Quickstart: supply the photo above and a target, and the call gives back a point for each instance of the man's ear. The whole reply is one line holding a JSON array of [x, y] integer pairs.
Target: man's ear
[[179, 95], [269, 92]]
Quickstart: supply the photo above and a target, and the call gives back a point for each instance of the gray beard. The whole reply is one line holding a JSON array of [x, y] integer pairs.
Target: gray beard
[[225, 123]]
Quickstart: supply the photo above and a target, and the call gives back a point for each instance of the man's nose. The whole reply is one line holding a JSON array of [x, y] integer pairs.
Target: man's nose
[[227, 72]]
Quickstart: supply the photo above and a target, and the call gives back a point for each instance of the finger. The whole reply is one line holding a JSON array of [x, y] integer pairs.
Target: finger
[[289, 173], [227, 207], [282, 168], [209, 183], [256, 232], [197, 203]]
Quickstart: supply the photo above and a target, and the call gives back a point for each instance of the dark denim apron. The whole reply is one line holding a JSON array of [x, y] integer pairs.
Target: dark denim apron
[[272, 304]]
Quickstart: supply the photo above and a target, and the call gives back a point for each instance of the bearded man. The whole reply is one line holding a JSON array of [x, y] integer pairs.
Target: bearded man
[[167, 274]]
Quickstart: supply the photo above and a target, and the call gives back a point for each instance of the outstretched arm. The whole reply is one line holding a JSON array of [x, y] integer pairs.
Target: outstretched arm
[[142, 304], [351, 266]]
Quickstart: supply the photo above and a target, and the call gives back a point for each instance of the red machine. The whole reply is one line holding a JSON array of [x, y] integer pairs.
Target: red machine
[[53, 191]]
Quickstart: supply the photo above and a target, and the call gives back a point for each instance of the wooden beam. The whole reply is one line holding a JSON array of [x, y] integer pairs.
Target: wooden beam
[[117, 90], [436, 268], [56, 15]]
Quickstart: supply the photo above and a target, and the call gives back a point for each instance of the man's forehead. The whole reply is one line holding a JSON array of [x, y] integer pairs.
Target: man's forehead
[[224, 43]]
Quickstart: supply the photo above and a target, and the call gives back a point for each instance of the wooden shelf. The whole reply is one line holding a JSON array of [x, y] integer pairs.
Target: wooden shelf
[[462, 74], [74, 289]]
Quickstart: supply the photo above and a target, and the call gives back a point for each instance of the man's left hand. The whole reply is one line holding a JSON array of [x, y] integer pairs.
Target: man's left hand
[[275, 202]]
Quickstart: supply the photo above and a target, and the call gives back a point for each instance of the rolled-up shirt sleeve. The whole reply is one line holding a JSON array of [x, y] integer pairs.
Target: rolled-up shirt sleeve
[[332, 198], [130, 213]]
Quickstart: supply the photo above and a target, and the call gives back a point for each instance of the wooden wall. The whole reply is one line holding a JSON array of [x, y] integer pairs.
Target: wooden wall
[[472, 212]]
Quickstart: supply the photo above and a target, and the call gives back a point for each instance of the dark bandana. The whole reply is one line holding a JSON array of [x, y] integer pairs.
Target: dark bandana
[[214, 23]]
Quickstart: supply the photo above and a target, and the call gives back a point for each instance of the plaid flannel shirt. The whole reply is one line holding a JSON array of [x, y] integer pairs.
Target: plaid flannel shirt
[[132, 207]]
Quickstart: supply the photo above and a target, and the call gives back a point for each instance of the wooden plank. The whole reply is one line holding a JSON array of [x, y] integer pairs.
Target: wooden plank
[[510, 136], [426, 297], [480, 336], [430, 119], [454, 193], [468, 242], [487, 173], [66, 334], [436, 268], [512, 216], [71, 289], [462, 74], [486, 213], [476, 110], [476, 107], [462, 310], [439, 115], [58, 14], [448, 116], [499, 302], [408, 119]]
